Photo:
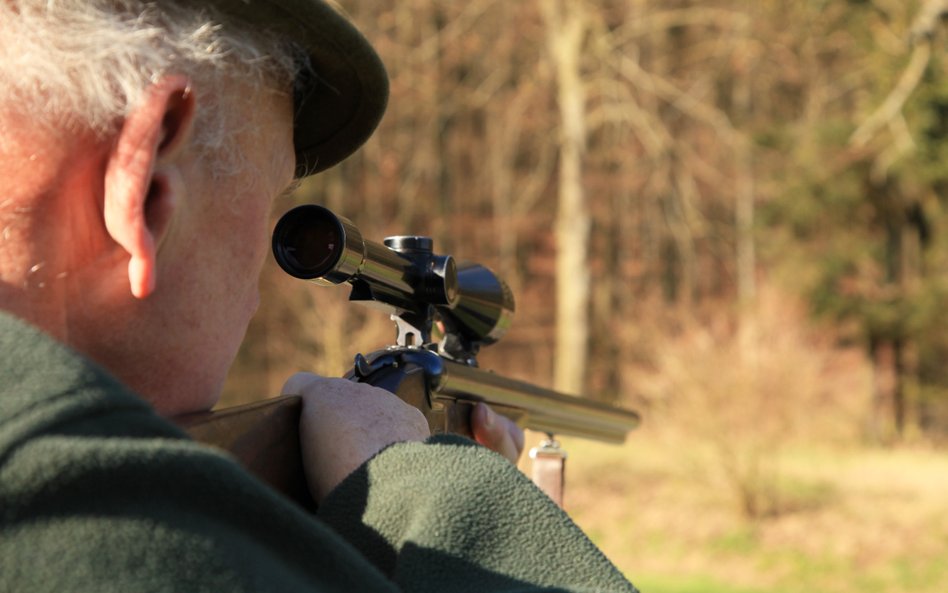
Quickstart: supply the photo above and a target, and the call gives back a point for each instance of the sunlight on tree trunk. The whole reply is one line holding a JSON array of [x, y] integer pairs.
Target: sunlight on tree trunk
[[566, 29]]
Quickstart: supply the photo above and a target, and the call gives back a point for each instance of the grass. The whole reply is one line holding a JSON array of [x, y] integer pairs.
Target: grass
[[690, 584], [851, 519]]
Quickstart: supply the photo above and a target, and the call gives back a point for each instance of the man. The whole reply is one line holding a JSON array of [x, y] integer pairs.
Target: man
[[141, 145]]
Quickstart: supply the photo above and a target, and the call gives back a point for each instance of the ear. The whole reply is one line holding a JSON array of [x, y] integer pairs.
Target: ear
[[141, 181]]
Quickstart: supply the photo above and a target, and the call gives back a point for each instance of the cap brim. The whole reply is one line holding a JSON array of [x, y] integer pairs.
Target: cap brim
[[341, 100]]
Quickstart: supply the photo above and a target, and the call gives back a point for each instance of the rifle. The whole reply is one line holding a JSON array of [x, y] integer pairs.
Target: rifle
[[444, 313]]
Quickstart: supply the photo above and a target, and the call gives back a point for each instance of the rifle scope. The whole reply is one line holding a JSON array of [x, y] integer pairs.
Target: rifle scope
[[310, 242]]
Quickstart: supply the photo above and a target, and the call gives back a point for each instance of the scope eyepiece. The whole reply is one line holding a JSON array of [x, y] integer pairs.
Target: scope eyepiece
[[311, 243]]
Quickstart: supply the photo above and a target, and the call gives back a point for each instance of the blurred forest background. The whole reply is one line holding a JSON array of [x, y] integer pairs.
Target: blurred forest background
[[728, 215]]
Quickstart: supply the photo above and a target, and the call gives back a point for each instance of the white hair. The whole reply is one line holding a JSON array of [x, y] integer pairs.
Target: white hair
[[84, 64]]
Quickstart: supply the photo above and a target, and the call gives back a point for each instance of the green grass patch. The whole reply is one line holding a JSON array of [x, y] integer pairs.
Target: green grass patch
[[906, 574], [742, 540], [797, 495], [658, 583]]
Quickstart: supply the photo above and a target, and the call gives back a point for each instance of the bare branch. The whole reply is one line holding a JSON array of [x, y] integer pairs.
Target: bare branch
[[680, 100], [895, 101], [454, 29], [922, 33], [926, 22], [667, 19]]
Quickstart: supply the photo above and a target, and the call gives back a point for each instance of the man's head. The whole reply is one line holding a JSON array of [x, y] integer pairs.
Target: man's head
[[142, 144], [62, 58]]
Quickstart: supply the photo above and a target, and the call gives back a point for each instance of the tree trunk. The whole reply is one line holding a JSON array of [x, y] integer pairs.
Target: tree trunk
[[886, 422], [566, 27], [745, 252]]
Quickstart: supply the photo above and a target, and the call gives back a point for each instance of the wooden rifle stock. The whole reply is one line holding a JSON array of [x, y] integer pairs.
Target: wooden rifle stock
[[264, 436]]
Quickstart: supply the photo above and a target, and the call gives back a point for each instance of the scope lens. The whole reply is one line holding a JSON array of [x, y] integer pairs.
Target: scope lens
[[307, 242]]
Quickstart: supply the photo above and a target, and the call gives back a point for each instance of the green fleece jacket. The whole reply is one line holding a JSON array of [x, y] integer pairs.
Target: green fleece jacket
[[98, 493]]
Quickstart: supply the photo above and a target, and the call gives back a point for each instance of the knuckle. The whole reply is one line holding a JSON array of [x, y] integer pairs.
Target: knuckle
[[416, 415], [297, 383]]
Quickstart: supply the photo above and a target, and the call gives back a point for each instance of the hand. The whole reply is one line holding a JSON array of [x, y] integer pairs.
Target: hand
[[343, 424], [496, 432]]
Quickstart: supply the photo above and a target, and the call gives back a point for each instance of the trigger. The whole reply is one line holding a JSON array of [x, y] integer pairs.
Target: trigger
[[362, 368]]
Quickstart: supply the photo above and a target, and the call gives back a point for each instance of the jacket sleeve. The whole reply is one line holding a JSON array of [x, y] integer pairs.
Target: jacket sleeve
[[449, 515], [87, 512]]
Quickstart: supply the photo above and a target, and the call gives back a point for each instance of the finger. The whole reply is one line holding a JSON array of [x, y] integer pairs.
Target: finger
[[297, 383], [509, 432], [496, 432], [517, 434]]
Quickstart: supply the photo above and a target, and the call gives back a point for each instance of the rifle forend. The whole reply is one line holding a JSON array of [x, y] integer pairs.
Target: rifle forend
[[468, 303]]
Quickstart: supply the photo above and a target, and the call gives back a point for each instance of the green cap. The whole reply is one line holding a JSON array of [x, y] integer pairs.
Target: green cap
[[340, 102]]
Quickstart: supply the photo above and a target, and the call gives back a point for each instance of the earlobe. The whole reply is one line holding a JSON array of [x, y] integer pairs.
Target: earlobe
[[141, 181]]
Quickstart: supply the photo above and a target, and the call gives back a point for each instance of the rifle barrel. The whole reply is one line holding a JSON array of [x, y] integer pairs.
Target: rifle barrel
[[545, 410]]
